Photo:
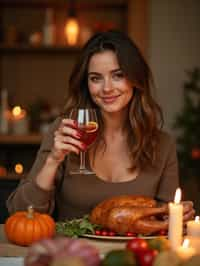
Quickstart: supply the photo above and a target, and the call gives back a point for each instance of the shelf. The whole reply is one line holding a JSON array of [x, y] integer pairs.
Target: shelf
[[32, 139], [38, 49], [80, 5], [12, 176]]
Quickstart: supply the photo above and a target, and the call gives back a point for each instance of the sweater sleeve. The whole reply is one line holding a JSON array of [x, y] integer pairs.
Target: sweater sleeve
[[170, 177], [28, 192]]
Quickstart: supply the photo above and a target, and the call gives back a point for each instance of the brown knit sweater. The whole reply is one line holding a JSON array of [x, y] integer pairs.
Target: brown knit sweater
[[75, 195]]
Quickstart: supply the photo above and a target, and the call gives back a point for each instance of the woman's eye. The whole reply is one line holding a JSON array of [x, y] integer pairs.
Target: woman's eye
[[119, 75], [95, 79]]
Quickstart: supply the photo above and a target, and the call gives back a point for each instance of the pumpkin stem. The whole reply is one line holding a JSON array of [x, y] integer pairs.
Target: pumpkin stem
[[30, 213]]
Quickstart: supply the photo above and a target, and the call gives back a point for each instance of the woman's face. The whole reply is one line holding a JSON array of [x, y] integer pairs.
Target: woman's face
[[108, 86]]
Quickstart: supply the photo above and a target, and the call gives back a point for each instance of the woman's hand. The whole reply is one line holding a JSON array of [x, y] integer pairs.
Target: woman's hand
[[66, 140], [188, 210]]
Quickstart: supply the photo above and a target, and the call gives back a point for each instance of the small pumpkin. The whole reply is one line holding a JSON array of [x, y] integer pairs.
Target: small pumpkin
[[25, 227]]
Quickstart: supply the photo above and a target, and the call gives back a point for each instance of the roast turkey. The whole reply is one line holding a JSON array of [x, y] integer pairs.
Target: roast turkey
[[127, 213]]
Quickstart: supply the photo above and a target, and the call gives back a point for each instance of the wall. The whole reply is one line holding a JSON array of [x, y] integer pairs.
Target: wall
[[138, 23], [174, 46], [167, 33], [29, 76]]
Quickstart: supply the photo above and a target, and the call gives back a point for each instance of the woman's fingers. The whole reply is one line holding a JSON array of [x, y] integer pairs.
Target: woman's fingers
[[66, 148], [67, 139], [187, 206], [60, 150], [188, 203], [188, 210], [64, 141], [68, 131], [69, 122], [189, 215]]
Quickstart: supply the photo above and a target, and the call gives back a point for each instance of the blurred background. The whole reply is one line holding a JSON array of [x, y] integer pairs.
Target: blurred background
[[39, 43]]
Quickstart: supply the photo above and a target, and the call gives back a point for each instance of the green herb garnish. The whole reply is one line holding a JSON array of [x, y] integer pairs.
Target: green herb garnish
[[76, 227]]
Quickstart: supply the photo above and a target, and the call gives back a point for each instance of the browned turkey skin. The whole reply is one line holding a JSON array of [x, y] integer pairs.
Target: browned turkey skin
[[129, 213]]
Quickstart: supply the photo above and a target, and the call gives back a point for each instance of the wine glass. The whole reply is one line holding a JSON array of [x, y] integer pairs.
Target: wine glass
[[88, 126]]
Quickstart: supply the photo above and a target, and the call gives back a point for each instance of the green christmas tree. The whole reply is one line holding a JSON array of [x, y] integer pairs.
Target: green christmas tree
[[187, 124]]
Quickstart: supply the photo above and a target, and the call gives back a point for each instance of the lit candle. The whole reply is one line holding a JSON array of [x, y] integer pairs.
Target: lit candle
[[19, 168], [19, 121], [185, 251], [193, 227], [175, 221], [195, 243]]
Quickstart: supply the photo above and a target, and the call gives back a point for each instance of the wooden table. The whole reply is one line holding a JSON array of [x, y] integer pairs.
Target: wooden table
[[10, 250]]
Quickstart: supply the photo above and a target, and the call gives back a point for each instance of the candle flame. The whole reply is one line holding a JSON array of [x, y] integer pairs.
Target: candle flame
[[186, 243], [177, 197], [197, 219], [16, 110], [19, 168], [18, 113]]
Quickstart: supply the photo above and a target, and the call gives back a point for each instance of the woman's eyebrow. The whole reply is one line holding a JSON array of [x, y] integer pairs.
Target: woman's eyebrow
[[116, 70], [112, 71], [93, 73]]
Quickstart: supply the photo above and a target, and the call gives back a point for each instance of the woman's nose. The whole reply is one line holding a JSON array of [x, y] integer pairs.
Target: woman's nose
[[107, 86]]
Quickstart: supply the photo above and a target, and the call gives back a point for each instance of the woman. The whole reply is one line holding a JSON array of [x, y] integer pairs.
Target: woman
[[131, 154]]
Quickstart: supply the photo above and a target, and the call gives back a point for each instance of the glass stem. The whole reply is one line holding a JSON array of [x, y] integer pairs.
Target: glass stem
[[82, 160]]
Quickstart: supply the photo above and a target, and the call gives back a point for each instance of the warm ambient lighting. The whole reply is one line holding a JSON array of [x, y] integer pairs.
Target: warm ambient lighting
[[177, 197], [19, 168], [72, 31], [18, 113], [185, 243], [193, 227], [185, 251], [16, 110], [175, 221], [19, 121], [72, 27]]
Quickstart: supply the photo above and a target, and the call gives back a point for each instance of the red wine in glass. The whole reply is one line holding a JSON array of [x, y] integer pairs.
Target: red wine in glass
[[88, 126], [88, 132]]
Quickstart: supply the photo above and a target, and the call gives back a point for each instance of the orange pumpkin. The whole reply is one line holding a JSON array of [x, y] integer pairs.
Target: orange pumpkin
[[25, 227]]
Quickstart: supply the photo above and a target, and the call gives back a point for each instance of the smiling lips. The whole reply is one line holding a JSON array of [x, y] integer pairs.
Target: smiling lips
[[109, 99]]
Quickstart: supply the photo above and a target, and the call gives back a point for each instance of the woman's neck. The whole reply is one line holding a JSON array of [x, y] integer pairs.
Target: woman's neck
[[114, 122]]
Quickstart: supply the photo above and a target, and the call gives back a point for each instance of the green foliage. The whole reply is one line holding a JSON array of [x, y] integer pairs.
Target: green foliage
[[187, 123], [76, 227]]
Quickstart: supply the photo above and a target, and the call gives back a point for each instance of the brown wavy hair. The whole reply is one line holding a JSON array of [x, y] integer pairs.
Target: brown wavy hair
[[145, 116]]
